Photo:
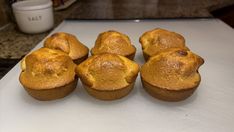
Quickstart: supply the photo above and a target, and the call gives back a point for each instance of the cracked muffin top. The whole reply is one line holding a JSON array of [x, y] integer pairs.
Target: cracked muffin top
[[107, 71], [156, 40], [113, 42], [47, 68], [173, 69], [67, 43]]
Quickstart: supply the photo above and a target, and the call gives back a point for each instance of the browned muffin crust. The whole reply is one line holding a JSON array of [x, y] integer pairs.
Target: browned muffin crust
[[108, 76], [69, 44], [48, 74], [157, 40], [109, 94], [172, 75], [53, 93], [114, 42]]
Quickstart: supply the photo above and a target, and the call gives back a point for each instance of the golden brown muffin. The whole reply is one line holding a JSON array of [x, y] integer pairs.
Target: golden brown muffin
[[69, 44], [108, 76], [114, 42], [48, 74], [156, 40], [172, 75]]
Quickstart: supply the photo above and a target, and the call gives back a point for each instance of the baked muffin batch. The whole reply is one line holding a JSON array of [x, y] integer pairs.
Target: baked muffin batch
[[170, 72]]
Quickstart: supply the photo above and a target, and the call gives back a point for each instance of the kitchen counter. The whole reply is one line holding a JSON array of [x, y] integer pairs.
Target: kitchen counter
[[15, 44], [208, 109]]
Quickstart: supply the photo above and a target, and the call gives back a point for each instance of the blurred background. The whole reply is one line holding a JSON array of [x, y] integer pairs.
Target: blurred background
[[15, 44]]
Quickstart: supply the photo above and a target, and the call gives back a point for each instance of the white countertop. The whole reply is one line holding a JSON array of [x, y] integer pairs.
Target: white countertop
[[209, 109]]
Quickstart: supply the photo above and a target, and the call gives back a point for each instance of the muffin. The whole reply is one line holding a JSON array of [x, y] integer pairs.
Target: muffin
[[157, 40], [69, 44], [172, 75], [48, 74], [114, 42], [108, 76]]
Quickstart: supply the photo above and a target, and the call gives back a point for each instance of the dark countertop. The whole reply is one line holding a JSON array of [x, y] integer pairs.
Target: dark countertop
[[15, 44], [128, 9], [143, 9]]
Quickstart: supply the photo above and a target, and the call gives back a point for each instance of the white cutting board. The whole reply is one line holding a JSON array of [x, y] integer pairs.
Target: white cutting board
[[209, 109]]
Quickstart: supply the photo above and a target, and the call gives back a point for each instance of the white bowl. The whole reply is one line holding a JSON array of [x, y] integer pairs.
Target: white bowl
[[34, 16]]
